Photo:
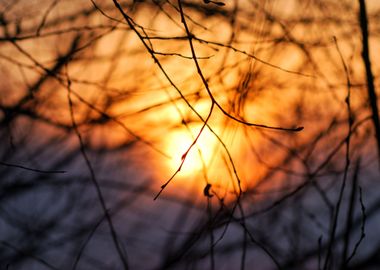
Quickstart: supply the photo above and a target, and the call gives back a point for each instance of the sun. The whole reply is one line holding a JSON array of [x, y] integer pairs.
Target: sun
[[199, 156], [217, 167]]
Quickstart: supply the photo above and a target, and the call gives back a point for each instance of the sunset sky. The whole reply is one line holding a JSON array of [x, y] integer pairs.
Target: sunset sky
[[226, 134]]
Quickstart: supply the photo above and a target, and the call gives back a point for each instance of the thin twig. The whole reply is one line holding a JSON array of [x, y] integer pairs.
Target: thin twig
[[28, 168], [331, 240], [94, 180], [362, 228]]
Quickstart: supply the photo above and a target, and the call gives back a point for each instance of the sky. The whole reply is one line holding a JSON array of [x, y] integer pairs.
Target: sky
[[187, 135]]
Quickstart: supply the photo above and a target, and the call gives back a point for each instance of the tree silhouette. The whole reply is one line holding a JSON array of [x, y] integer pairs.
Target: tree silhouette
[[189, 134]]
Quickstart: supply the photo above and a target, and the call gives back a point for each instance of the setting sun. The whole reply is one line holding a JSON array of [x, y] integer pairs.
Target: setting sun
[[200, 155]]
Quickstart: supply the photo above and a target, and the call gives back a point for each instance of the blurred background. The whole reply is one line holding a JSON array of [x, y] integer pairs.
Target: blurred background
[[229, 134]]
